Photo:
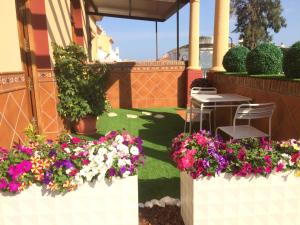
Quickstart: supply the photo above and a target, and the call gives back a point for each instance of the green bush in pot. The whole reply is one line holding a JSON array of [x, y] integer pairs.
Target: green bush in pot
[[80, 85]]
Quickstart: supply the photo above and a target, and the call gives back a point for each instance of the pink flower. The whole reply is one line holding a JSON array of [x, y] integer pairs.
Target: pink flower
[[64, 145], [85, 161], [268, 159], [14, 186], [3, 183], [75, 140], [185, 162], [279, 167], [242, 154], [102, 140], [268, 169], [230, 150]]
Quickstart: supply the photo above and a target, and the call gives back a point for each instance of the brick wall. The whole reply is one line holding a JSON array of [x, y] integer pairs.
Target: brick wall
[[285, 94], [147, 84]]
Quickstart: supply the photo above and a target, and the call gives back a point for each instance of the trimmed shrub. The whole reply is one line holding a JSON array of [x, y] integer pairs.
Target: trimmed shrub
[[264, 59], [235, 59], [291, 61]]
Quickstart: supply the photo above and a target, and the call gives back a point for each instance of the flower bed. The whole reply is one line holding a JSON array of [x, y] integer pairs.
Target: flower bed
[[243, 182], [63, 167]]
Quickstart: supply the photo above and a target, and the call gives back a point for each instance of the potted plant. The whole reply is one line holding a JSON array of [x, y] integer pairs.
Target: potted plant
[[80, 87], [71, 182], [242, 182]]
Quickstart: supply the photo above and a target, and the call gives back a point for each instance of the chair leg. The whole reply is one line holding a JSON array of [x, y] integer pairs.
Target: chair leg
[[185, 121], [209, 121]]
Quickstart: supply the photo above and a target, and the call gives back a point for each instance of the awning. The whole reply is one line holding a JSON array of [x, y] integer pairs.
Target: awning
[[153, 10]]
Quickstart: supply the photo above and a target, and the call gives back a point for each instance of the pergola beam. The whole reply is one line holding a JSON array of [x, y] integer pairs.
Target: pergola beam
[[143, 10], [126, 17]]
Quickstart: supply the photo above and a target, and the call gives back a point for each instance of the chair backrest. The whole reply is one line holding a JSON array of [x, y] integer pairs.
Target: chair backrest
[[204, 90], [254, 111]]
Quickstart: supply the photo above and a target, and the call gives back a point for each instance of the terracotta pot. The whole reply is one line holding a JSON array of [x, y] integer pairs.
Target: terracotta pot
[[86, 125]]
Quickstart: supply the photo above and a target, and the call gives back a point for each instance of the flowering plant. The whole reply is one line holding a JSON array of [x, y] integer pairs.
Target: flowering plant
[[200, 154], [62, 166]]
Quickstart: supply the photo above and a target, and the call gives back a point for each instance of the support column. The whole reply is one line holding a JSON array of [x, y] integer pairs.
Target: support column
[[44, 85], [193, 70], [221, 33]]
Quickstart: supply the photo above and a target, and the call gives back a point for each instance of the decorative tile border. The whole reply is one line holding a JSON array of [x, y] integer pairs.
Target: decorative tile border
[[46, 75], [147, 66], [12, 78]]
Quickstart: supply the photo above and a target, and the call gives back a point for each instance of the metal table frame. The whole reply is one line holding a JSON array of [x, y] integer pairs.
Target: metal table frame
[[200, 100]]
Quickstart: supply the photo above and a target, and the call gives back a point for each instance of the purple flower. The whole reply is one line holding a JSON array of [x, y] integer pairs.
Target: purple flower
[[25, 149], [47, 177], [3, 183], [49, 141], [205, 163], [112, 172], [63, 163], [131, 169], [14, 186], [134, 159], [122, 169], [52, 153]]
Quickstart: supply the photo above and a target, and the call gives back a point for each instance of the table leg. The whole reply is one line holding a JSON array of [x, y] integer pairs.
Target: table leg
[[230, 119], [201, 116], [215, 116]]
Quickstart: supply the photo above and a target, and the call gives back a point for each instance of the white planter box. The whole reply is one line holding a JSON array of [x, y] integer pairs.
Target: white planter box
[[99, 205], [228, 200]]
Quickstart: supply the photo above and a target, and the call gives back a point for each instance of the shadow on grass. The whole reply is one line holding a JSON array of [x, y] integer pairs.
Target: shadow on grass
[[159, 188]]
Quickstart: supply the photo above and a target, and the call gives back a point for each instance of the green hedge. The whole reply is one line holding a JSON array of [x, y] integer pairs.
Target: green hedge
[[264, 59], [291, 61], [234, 59]]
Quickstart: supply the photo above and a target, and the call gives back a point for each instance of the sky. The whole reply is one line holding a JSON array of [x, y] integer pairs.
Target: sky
[[136, 39]]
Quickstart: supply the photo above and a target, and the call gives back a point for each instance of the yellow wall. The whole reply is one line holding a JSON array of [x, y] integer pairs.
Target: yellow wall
[[104, 42], [10, 56], [59, 23]]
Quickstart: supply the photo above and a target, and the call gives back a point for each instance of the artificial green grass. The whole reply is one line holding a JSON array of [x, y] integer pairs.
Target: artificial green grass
[[264, 76], [158, 177]]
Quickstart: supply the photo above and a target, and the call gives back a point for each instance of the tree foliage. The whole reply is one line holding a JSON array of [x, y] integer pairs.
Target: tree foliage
[[256, 19]]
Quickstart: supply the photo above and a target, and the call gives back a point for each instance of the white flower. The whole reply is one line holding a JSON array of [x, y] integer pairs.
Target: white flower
[[119, 139], [134, 150], [123, 148], [67, 150], [89, 176], [102, 150], [121, 163], [78, 179], [112, 149], [288, 158], [126, 174], [79, 149]]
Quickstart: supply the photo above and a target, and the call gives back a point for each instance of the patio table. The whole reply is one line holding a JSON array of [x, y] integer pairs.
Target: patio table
[[219, 100]]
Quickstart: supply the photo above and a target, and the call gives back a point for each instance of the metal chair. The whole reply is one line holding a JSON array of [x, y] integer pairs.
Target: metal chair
[[249, 112], [196, 110]]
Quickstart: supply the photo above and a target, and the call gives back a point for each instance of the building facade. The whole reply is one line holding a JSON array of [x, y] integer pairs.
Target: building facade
[[27, 83]]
